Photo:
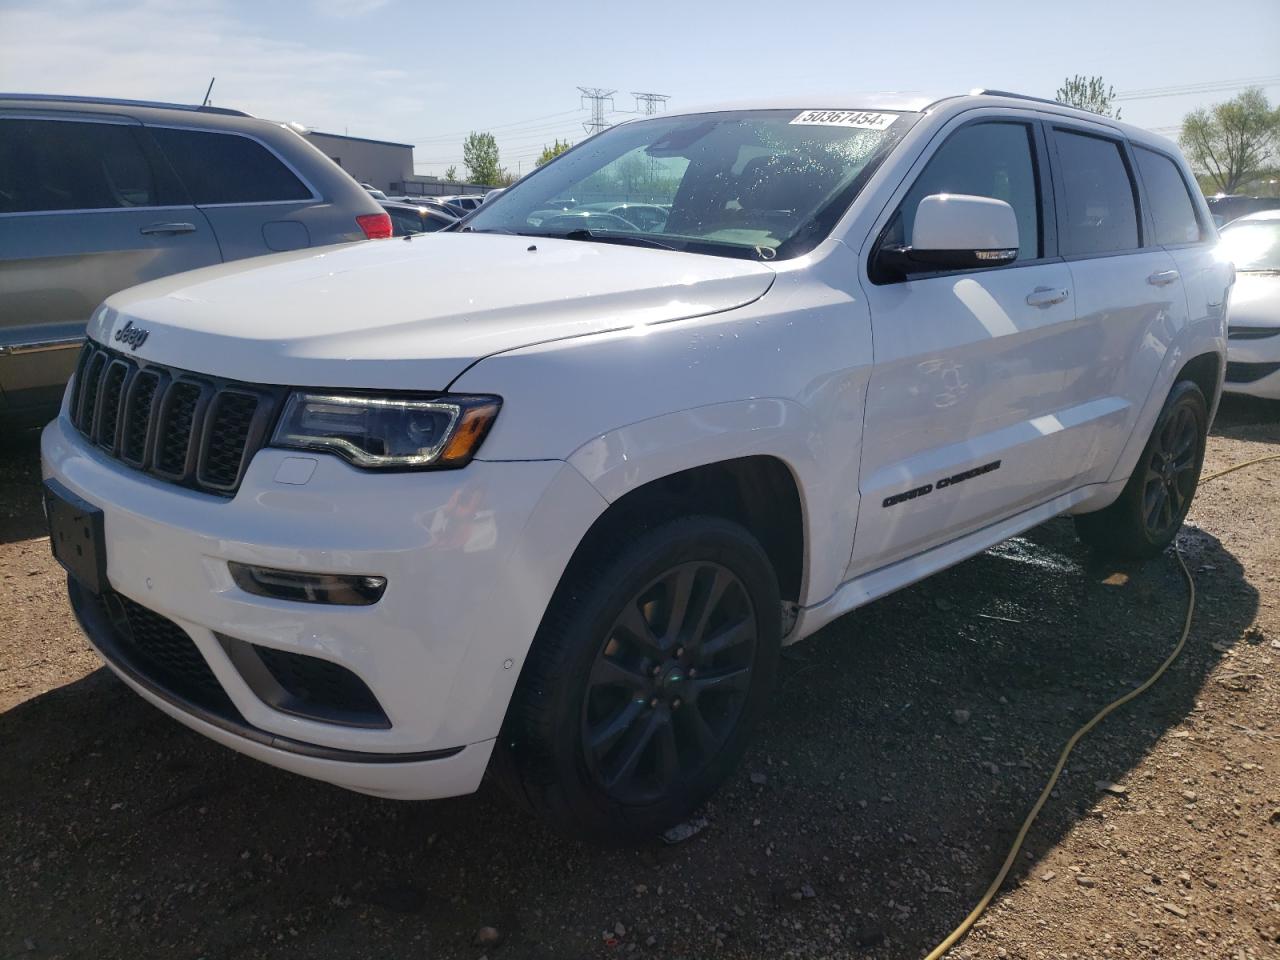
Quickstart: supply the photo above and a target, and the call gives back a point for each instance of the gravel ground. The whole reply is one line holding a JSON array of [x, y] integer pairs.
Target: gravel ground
[[905, 745]]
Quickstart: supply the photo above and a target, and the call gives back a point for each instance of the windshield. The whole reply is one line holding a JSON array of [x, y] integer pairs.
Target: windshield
[[1252, 244], [759, 183]]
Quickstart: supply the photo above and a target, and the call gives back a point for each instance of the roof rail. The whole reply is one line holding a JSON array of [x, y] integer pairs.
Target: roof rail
[[111, 101], [987, 92]]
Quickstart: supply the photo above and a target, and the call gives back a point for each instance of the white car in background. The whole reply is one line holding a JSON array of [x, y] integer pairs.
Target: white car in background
[[555, 517], [1252, 243]]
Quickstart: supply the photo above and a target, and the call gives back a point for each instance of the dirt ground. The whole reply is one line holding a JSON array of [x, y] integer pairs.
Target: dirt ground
[[905, 745]]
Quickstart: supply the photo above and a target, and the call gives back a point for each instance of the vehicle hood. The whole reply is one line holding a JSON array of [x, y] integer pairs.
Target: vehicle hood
[[411, 314], [1255, 300]]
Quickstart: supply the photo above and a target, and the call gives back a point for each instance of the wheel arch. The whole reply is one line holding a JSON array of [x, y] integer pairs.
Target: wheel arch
[[760, 492], [756, 462], [1204, 365]]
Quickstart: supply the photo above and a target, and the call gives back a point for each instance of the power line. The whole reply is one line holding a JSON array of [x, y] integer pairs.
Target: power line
[[495, 126], [597, 96], [1208, 86]]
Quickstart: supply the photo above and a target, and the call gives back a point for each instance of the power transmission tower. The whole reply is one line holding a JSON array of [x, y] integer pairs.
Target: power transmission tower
[[648, 103], [597, 96]]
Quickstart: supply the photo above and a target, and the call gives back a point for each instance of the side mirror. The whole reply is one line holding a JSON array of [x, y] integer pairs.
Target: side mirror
[[954, 231]]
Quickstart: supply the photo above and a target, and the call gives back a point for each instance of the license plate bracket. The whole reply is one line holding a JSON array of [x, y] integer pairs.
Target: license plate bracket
[[76, 535]]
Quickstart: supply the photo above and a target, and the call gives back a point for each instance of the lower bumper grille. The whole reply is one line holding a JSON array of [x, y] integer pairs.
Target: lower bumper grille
[[1250, 372], [106, 623], [161, 652], [305, 686]]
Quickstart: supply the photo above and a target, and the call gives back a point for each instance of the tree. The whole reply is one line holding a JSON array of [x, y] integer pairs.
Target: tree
[[1088, 93], [451, 175], [480, 155], [551, 152], [1232, 142]]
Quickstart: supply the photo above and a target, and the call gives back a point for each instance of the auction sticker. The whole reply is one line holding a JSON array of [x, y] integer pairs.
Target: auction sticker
[[858, 119]]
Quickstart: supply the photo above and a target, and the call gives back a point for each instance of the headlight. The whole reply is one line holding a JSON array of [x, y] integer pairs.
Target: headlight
[[398, 433]]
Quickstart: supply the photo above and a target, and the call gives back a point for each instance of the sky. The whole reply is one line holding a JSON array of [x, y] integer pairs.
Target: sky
[[425, 73]]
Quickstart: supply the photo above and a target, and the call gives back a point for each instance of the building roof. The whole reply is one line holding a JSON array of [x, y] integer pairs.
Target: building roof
[[343, 136]]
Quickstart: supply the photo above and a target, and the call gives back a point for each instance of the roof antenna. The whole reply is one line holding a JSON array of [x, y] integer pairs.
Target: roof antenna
[[205, 102]]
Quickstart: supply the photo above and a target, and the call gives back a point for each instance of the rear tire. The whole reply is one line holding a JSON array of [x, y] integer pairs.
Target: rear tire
[[1148, 514], [654, 660]]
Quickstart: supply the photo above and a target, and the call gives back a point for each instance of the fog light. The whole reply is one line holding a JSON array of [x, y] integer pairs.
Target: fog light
[[348, 590]]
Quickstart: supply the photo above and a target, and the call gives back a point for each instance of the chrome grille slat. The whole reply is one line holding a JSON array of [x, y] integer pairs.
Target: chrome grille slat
[[182, 427]]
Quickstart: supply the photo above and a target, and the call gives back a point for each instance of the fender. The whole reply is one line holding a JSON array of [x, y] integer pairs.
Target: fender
[[625, 459]]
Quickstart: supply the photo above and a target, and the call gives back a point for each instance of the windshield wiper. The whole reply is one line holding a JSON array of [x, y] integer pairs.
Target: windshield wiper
[[630, 239]]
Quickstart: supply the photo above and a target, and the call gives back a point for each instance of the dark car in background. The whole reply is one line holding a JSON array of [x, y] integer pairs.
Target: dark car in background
[[411, 218], [1226, 207], [98, 195]]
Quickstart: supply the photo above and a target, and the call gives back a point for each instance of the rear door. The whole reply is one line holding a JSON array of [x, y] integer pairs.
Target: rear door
[[1180, 226], [968, 414], [1130, 295], [86, 208], [254, 198]]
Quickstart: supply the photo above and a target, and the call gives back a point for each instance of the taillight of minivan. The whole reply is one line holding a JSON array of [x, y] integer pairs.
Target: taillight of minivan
[[376, 226]]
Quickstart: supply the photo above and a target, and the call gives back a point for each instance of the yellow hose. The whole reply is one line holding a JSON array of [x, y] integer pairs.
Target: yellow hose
[[961, 931]]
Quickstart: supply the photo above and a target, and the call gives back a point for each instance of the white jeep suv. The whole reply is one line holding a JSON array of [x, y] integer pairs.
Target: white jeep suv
[[689, 392]]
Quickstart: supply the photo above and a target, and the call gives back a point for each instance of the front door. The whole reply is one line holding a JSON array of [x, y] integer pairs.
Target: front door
[[969, 416]]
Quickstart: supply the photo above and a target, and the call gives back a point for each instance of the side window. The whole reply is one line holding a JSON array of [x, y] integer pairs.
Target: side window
[[49, 165], [994, 160], [1099, 212], [226, 168], [1171, 207]]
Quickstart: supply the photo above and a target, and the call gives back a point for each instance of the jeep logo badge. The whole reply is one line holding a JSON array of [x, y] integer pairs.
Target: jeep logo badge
[[131, 335]]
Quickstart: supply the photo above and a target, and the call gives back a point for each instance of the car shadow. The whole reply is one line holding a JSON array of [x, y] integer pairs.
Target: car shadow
[[21, 513], [1247, 418], [904, 746]]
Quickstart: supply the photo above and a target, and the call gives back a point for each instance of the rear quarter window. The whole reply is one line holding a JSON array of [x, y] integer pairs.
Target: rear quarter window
[[1171, 205], [228, 168]]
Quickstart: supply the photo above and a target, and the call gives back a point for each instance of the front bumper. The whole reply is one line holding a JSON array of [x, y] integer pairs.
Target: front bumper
[[471, 558], [1253, 366]]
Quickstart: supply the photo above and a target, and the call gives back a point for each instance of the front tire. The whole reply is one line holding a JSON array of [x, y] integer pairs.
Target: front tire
[[1148, 514], [654, 660]]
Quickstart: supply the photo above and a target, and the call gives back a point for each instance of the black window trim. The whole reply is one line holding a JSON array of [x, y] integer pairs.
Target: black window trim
[[1045, 193], [106, 118], [1145, 229], [315, 197], [1206, 230]]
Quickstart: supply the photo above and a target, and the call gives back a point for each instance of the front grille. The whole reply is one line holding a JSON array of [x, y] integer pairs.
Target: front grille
[[1249, 372], [183, 427]]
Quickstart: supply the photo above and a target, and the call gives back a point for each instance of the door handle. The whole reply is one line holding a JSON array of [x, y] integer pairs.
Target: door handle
[[1046, 296], [1162, 278], [167, 228]]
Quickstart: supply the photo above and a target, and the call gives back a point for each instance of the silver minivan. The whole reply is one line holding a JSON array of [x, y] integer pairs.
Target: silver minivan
[[97, 195]]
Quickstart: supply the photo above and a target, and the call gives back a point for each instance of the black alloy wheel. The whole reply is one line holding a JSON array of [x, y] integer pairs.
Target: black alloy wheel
[[670, 681], [1148, 514], [1173, 467], [653, 663]]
